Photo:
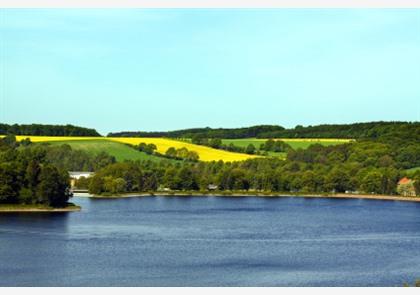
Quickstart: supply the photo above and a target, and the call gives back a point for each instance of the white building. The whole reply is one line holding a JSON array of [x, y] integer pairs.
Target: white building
[[74, 175]]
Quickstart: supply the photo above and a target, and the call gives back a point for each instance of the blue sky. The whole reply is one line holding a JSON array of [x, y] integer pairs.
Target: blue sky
[[165, 69]]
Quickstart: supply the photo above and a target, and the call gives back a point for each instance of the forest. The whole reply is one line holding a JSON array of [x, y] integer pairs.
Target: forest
[[372, 130], [46, 130]]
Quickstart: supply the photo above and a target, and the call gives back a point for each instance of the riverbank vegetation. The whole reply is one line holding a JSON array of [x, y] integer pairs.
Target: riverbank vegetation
[[69, 207], [32, 175]]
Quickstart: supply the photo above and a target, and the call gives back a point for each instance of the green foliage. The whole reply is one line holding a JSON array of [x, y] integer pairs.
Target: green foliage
[[119, 151], [47, 130], [182, 154], [53, 187], [277, 146], [250, 149], [371, 130], [197, 133], [147, 148]]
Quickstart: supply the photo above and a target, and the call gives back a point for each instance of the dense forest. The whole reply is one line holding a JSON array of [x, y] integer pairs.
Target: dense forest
[[370, 130], [38, 173], [46, 130], [26, 177]]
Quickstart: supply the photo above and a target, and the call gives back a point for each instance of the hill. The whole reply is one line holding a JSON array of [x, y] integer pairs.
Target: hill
[[162, 144], [120, 151]]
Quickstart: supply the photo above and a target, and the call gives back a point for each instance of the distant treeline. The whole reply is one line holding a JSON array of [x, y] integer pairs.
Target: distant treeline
[[371, 130], [207, 132], [46, 130]]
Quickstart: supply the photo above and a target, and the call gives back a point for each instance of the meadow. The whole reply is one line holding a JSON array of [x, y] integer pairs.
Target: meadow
[[295, 143], [120, 151], [117, 146], [162, 144]]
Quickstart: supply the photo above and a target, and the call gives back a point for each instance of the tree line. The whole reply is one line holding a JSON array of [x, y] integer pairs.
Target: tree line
[[207, 132], [46, 130], [369, 130]]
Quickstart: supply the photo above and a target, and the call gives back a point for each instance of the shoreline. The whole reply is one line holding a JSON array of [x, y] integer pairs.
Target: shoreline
[[16, 208], [253, 194]]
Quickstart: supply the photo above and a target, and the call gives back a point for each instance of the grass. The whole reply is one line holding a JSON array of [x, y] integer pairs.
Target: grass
[[120, 151], [412, 170], [36, 207], [162, 144], [295, 143]]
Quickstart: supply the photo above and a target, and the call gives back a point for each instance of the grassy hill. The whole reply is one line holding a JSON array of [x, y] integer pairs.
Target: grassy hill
[[117, 146], [119, 150], [162, 144], [295, 143]]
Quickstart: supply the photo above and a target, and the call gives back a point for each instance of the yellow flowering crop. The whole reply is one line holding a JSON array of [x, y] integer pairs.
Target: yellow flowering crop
[[162, 144], [205, 153]]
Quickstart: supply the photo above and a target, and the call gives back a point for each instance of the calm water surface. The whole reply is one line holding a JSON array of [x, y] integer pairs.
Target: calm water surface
[[210, 241]]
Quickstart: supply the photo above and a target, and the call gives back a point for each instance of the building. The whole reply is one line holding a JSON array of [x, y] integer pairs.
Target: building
[[405, 187], [212, 187], [74, 175]]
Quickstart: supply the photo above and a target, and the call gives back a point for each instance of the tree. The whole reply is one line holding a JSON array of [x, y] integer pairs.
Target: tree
[[337, 180], [53, 188], [32, 175], [416, 183], [250, 149], [96, 185], [192, 156], [171, 152], [187, 179], [9, 183], [371, 183]]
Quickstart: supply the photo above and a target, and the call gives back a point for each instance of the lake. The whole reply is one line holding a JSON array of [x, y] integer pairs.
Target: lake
[[214, 241]]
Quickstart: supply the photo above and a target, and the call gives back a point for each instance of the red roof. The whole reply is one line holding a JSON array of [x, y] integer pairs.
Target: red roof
[[404, 180]]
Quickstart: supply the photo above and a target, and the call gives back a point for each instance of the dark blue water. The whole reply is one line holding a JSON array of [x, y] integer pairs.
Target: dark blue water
[[210, 241]]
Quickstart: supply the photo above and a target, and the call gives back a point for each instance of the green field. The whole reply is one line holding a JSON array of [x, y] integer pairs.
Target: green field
[[413, 170], [120, 151], [294, 143]]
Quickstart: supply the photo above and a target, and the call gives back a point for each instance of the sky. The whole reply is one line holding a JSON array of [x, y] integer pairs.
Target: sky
[[167, 69]]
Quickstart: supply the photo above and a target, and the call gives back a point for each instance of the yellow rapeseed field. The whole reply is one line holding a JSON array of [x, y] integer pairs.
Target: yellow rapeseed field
[[205, 153], [162, 144], [35, 138]]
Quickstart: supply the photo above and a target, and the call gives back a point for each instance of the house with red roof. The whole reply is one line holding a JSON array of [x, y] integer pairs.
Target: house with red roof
[[405, 187]]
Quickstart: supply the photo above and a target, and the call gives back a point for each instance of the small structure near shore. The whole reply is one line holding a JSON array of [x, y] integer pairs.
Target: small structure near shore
[[75, 175], [212, 187], [405, 187]]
